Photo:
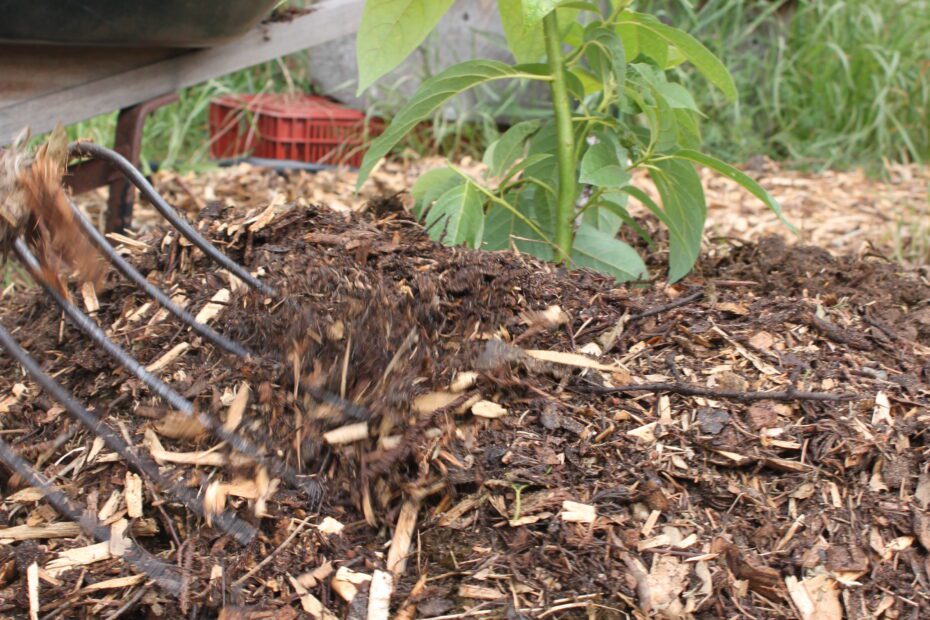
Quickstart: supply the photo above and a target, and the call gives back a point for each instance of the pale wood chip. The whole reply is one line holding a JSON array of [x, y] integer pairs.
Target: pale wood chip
[[575, 512], [346, 581], [488, 409], [32, 585], [89, 295], [133, 495], [213, 308], [573, 359], [481, 593], [347, 434], [379, 595], [176, 351], [403, 535], [67, 529], [237, 408]]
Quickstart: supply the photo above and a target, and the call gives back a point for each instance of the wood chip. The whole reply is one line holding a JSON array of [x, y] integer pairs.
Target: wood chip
[[347, 434], [213, 308], [135, 245], [133, 495], [403, 536], [140, 527], [80, 556], [162, 362], [379, 595], [32, 584], [481, 593], [488, 409], [816, 598], [346, 581], [237, 408], [330, 526], [573, 359], [89, 295], [574, 512], [463, 381], [210, 458]]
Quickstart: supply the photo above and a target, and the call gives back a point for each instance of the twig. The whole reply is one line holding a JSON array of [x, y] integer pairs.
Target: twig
[[696, 390], [238, 582], [128, 604], [684, 301]]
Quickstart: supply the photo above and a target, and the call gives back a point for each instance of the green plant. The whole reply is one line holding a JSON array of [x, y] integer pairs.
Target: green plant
[[613, 109]]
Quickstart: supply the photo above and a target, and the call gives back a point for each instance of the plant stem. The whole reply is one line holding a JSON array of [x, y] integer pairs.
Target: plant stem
[[565, 144]]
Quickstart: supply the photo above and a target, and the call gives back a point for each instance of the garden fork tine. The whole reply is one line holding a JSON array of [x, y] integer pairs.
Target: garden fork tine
[[139, 280], [89, 149], [163, 574], [226, 521], [159, 387]]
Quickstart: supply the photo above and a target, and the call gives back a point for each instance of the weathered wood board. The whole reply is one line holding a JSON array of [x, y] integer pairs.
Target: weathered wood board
[[41, 86]]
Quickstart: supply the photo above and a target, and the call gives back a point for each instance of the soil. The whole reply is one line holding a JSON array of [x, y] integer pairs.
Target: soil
[[552, 485]]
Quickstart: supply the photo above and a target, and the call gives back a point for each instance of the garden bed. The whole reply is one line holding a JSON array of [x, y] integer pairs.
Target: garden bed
[[538, 443]]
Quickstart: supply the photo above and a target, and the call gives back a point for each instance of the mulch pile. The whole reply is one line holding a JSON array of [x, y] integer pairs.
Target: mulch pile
[[524, 442]]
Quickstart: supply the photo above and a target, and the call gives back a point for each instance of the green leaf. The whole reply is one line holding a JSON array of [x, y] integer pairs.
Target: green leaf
[[580, 5], [510, 147], [602, 218], [457, 216], [430, 186], [677, 96], [602, 252], [703, 59], [526, 163], [685, 211], [615, 202], [604, 163], [590, 84], [525, 36], [629, 35], [389, 31], [689, 132], [606, 54], [535, 10], [504, 230], [429, 97], [740, 177]]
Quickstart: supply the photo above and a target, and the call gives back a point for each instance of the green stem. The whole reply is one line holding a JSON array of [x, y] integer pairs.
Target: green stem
[[565, 146]]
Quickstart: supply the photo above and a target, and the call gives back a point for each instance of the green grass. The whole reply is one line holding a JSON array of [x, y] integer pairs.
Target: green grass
[[823, 83]]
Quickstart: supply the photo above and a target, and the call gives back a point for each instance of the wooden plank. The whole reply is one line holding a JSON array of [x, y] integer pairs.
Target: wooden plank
[[76, 102], [30, 71]]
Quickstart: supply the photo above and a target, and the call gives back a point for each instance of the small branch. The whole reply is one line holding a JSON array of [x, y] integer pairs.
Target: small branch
[[696, 390], [684, 301]]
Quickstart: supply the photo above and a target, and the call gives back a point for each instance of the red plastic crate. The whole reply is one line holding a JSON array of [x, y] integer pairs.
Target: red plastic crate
[[291, 127]]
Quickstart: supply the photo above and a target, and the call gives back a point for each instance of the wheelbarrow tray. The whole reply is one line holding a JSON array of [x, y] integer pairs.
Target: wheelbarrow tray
[[144, 23]]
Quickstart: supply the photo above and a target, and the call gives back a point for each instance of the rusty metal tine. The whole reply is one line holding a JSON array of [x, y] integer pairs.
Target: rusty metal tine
[[243, 532], [139, 280], [159, 387], [89, 149], [163, 574]]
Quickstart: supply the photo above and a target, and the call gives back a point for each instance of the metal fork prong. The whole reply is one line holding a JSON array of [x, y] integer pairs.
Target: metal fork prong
[[130, 272], [159, 387], [163, 574], [226, 521], [96, 334], [89, 149]]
